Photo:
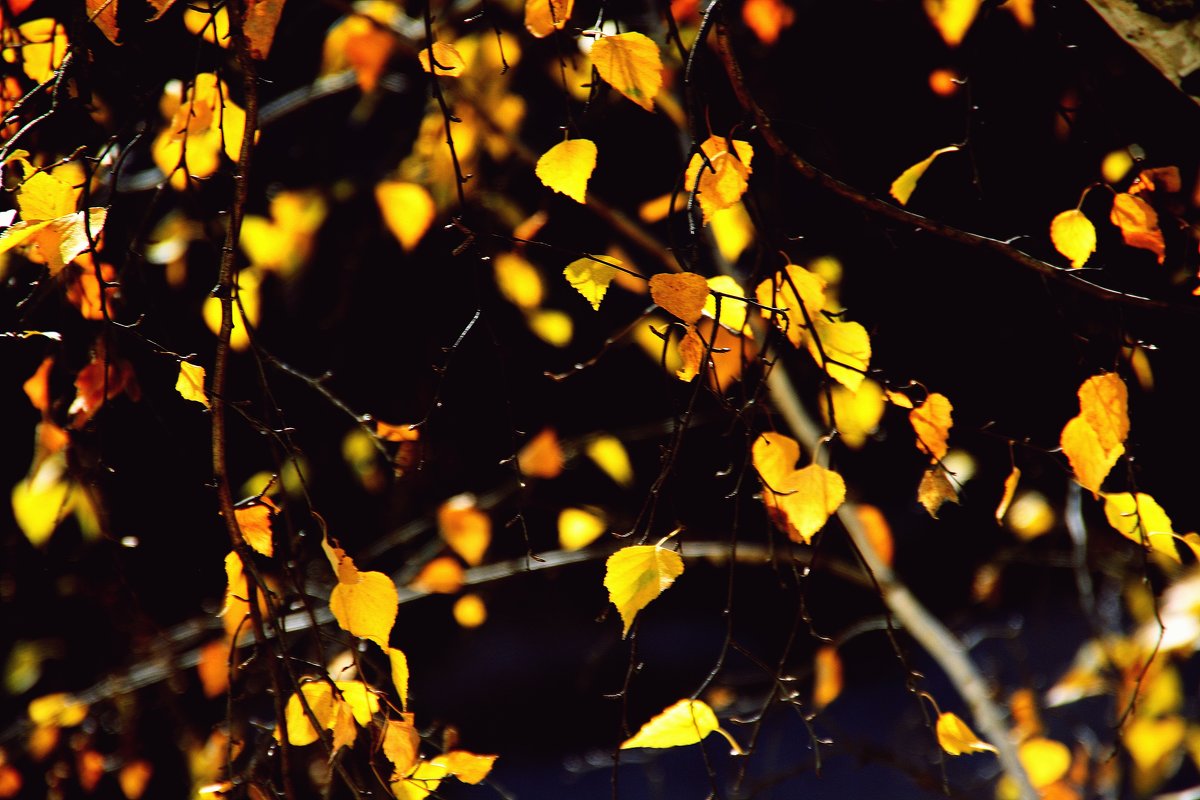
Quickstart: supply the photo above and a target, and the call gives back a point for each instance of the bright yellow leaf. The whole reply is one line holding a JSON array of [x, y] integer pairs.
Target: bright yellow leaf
[[1141, 520], [1138, 222], [732, 230], [1073, 235], [447, 58], [857, 414], [42, 500], [247, 311], [401, 743], [552, 326], [544, 17], [190, 383], [470, 611], [792, 288], [465, 528], [956, 738], [366, 608], [43, 46], [631, 64], [591, 278], [733, 312], [578, 528], [420, 781], [775, 456], [50, 228], [827, 677], [567, 166], [609, 454], [61, 710], [442, 575], [205, 21], [467, 767], [721, 181], [846, 347], [1045, 760], [407, 210], [1094, 440], [932, 423], [682, 723], [519, 281], [807, 499], [636, 575], [202, 122], [952, 18], [1010, 489], [1116, 165], [903, 187], [399, 668], [681, 294], [336, 712], [255, 523], [936, 489]]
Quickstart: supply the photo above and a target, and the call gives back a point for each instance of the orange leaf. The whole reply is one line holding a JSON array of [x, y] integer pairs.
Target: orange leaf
[[631, 64], [37, 388], [213, 667], [952, 18], [932, 424], [465, 528], [691, 353], [401, 742], [541, 457], [448, 60], [1157, 179], [936, 489], [956, 738], [879, 533], [1010, 488], [443, 575], [133, 778], [567, 167], [682, 294], [255, 523], [1138, 222], [544, 17], [827, 677], [767, 18], [396, 433], [470, 611], [720, 177]]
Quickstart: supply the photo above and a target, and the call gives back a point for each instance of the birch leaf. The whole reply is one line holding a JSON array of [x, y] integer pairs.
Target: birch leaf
[[956, 738], [903, 187], [932, 423], [631, 64], [636, 575], [190, 383], [591, 278], [680, 294], [567, 167], [366, 608], [1073, 235]]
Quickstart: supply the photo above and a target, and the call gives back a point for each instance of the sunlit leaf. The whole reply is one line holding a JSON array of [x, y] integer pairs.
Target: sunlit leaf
[[807, 499], [208, 21], [932, 423], [1116, 165], [578, 528], [213, 667], [682, 723], [465, 528], [50, 227], [255, 523], [903, 187], [691, 354], [43, 47], [952, 18], [1141, 520], [846, 347], [591, 278], [1094, 440], [466, 767], [60, 709], [552, 326], [1138, 222], [956, 738], [936, 489], [790, 289], [879, 533], [469, 611], [399, 668], [1045, 760], [631, 64], [636, 575], [366, 607], [89, 769], [133, 778], [542, 456], [519, 281], [681, 294], [1073, 235], [720, 176], [1010, 489], [733, 231], [190, 383], [544, 17], [567, 166], [733, 312], [609, 454], [407, 210], [857, 414], [202, 122], [775, 456], [333, 712], [42, 500], [245, 310], [446, 58], [827, 677], [401, 743], [442, 575], [767, 18]]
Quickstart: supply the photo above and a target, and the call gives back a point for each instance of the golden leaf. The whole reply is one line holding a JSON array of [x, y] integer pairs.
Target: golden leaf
[[1073, 235], [932, 423], [578, 528], [420, 781], [1045, 760], [682, 723], [847, 344], [806, 500], [567, 166], [827, 677], [42, 500], [447, 60], [401, 743], [399, 667], [465, 528], [442, 575], [857, 414], [519, 281], [681, 294], [879, 533], [936, 489], [255, 523], [952, 18], [470, 611], [407, 210], [60, 709], [43, 46], [551, 326], [133, 778], [1094, 440], [903, 187], [213, 667], [636, 575], [367, 607], [467, 767], [1138, 222], [50, 225], [781, 292], [202, 123], [775, 456], [591, 278], [1010, 489], [691, 354], [1090, 461], [1141, 520], [767, 18], [631, 64], [720, 177], [610, 456], [541, 457], [544, 17], [956, 738], [733, 312]]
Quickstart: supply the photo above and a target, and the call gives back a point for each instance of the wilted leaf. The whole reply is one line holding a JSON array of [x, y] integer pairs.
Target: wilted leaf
[[952, 18], [903, 187], [446, 58], [1141, 520], [636, 575], [591, 278], [541, 457], [578, 528], [407, 210], [936, 489], [367, 607], [827, 677], [442, 575], [609, 454], [1073, 235], [631, 64], [1010, 488], [932, 423], [720, 176], [1157, 179], [1138, 222], [683, 723], [956, 738], [190, 383], [255, 523], [567, 167], [681, 294], [544, 17]]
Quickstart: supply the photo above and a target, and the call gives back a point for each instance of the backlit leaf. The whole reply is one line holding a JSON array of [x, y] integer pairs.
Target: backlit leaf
[[952, 18], [447, 58], [213, 667], [827, 677], [720, 176], [681, 294], [578, 528], [846, 347], [442, 575], [407, 210], [519, 281], [469, 611], [43, 46], [857, 414], [788, 290], [775, 456], [466, 767], [1138, 222], [903, 187], [1090, 461], [255, 523], [133, 778], [544, 17], [401, 743], [932, 423], [936, 489], [1094, 440], [806, 499], [956, 738], [50, 227], [1045, 760], [1073, 235], [367, 607], [1010, 489], [190, 383], [631, 64], [733, 312], [60, 709], [1141, 520], [691, 354], [399, 668], [246, 310], [767, 18], [683, 723], [551, 326], [465, 528], [42, 500], [542, 456], [421, 781], [336, 712], [567, 166], [636, 575], [591, 278], [609, 454], [879, 533]]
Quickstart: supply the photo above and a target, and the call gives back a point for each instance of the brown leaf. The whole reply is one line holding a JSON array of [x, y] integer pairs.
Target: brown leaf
[[936, 489], [262, 16]]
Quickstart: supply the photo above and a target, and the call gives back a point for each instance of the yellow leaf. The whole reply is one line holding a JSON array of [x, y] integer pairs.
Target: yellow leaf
[[691, 353], [1116, 165], [846, 343], [1030, 516], [1141, 520], [465, 528], [1094, 440], [248, 281], [519, 281], [366, 608], [341, 564], [467, 767], [470, 611], [857, 414], [44, 196], [544, 17], [552, 326], [201, 124], [1073, 235], [1090, 461], [791, 289], [1010, 489], [631, 64], [681, 294], [806, 499], [255, 522], [399, 665], [42, 500], [775, 456], [952, 18], [541, 457], [407, 210], [636, 575], [591, 278], [732, 230], [442, 575], [827, 677], [190, 383], [1045, 760], [43, 46], [421, 781], [446, 57], [57, 241], [733, 312], [932, 423], [936, 489], [401, 742], [903, 187], [1149, 740], [683, 723], [721, 181], [60, 709], [609, 454], [335, 712], [567, 166], [578, 528], [212, 24], [956, 738], [1138, 222]]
